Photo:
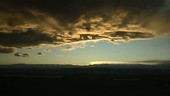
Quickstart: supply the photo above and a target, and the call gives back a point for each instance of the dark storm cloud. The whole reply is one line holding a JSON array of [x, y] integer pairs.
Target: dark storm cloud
[[133, 35], [67, 11], [21, 54], [6, 50], [39, 53], [25, 39], [130, 35], [25, 23]]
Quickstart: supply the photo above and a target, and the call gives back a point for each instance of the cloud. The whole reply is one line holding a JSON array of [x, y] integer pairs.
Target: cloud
[[125, 35], [6, 50], [92, 46], [39, 53], [74, 47], [25, 39], [21, 54], [62, 22]]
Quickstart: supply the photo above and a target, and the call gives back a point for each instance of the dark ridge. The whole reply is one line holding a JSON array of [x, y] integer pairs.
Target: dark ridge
[[106, 79]]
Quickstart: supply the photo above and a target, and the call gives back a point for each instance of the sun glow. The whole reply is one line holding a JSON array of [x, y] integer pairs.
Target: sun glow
[[108, 62]]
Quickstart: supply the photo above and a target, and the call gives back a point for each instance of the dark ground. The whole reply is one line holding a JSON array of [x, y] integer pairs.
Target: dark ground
[[26, 80]]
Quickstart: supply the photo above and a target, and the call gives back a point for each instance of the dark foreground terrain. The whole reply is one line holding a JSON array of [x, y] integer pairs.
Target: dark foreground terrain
[[54, 80]]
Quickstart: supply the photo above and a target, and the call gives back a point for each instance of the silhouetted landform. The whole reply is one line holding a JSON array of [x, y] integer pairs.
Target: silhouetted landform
[[68, 70], [105, 79]]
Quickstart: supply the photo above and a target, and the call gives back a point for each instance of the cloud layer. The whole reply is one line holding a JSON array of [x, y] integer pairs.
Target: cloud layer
[[18, 54], [6, 50], [60, 22]]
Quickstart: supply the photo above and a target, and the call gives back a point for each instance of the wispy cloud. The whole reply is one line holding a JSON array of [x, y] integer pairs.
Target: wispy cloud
[[19, 54], [73, 47], [6, 49]]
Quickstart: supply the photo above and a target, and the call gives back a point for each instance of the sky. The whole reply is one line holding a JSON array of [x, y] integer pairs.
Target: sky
[[84, 32]]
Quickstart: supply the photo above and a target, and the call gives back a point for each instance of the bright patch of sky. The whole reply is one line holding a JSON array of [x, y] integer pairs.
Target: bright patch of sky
[[138, 50]]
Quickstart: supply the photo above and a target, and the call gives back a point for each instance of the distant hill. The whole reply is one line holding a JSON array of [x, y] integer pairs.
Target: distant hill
[[112, 66]]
